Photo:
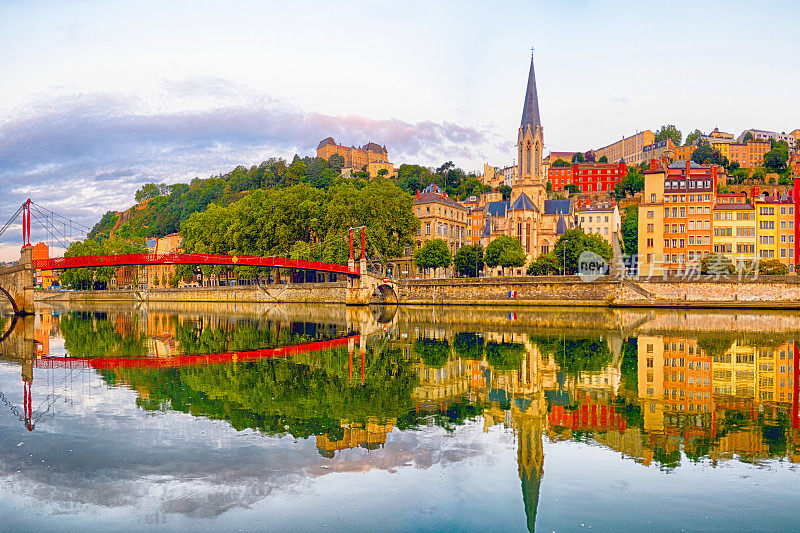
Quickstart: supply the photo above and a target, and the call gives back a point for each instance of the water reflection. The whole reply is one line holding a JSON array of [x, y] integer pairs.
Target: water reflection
[[659, 388]]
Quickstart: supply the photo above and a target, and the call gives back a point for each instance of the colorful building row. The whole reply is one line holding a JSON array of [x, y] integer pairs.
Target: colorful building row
[[682, 219]]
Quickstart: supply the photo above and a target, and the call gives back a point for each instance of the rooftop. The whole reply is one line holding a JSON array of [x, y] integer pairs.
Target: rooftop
[[523, 203], [554, 207]]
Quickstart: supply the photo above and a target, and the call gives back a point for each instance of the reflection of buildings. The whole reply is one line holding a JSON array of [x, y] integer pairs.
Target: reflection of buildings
[[370, 436]]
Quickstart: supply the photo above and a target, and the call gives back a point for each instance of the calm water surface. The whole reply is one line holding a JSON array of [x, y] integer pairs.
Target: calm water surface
[[296, 418]]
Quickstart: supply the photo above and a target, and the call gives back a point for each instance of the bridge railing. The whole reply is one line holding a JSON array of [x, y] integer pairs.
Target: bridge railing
[[190, 259]]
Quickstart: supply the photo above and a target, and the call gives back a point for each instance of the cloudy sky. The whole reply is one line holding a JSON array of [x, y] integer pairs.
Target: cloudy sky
[[97, 98]]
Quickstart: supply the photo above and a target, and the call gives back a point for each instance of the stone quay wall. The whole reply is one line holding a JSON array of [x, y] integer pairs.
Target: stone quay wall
[[773, 292], [284, 293], [766, 292]]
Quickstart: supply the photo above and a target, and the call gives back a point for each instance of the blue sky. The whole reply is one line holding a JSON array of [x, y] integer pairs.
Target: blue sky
[[97, 98]]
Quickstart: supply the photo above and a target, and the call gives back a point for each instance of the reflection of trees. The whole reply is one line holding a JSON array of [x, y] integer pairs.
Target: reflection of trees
[[576, 356], [505, 355], [242, 335], [454, 414], [468, 346], [307, 395], [93, 335], [432, 352]]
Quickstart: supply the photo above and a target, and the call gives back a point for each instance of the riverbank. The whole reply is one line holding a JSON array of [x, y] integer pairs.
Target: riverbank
[[774, 292]]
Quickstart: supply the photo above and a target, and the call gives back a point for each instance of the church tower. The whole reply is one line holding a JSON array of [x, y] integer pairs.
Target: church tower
[[530, 144]]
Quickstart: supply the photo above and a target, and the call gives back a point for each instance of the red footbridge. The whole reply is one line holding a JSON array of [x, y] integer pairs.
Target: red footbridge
[[62, 263]]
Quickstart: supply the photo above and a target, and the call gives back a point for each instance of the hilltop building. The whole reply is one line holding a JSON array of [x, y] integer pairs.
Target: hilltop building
[[372, 157], [764, 135], [628, 149]]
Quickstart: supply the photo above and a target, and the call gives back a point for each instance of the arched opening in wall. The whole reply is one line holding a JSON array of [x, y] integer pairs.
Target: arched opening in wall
[[384, 294], [7, 303]]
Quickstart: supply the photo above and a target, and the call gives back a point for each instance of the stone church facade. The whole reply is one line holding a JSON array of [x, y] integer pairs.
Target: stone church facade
[[531, 217]]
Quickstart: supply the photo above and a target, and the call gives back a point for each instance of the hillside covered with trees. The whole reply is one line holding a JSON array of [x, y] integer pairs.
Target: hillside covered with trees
[[161, 209]]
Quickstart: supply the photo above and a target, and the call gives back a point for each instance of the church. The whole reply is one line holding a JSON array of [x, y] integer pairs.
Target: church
[[530, 216]]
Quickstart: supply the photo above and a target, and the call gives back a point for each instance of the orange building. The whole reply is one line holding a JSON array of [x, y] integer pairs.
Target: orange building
[[688, 374], [161, 275], [684, 153], [44, 278], [372, 157], [675, 217], [748, 155]]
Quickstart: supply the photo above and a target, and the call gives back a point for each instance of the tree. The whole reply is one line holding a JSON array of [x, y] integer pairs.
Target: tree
[[561, 163], [772, 267], [506, 191], [669, 131], [578, 158], [336, 162], [715, 264], [748, 137], [630, 230], [383, 172], [776, 158], [147, 192], [589, 156], [469, 260], [546, 264], [692, 137], [632, 183], [603, 159], [707, 154], [433, 254], [571, 188], [506, 252], [573, 242]]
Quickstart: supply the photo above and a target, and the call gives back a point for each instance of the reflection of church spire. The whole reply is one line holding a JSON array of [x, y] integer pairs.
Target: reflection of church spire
[[530, 458]]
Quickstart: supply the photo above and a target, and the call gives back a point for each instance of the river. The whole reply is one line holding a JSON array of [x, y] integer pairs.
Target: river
[[259, 417]]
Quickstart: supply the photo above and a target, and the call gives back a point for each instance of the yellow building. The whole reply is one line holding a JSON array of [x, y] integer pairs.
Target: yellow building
[[650, 375], [374, 168], [735, 232], [775, 229], [629, 149], [440, 217]]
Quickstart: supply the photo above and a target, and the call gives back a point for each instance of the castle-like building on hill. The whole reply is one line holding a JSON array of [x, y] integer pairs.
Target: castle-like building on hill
[[530, 217], [371, 157]]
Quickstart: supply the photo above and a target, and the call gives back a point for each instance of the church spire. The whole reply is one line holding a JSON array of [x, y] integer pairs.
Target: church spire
[[530, 110]]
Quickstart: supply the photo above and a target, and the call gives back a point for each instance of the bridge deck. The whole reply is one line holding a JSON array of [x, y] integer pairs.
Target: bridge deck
[[190, 259], [192, 360]]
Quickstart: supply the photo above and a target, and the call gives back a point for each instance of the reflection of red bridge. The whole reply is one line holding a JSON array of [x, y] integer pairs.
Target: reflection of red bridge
[[191, 259], [192, 360]]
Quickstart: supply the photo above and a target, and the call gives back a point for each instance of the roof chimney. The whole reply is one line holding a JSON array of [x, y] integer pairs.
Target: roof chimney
[[653, 164], [418, 194], [688, 167]]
